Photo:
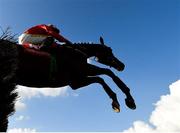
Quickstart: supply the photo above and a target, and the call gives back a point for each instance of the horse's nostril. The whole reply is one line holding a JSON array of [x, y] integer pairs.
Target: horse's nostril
[[121, 68]]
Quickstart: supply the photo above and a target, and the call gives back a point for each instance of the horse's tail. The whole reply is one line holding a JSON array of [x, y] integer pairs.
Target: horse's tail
[[8, 65]]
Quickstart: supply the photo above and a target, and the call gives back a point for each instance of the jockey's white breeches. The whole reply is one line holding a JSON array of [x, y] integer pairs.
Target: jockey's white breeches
[[29, 38]]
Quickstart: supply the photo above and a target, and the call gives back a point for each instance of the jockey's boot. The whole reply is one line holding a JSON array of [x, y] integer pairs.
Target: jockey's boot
[[48, 42]]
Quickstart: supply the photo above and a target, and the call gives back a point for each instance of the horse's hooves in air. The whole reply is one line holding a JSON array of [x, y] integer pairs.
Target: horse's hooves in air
[[130, 103], [116, 106]]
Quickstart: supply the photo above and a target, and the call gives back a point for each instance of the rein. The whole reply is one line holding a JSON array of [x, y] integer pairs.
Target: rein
[[91, 50]]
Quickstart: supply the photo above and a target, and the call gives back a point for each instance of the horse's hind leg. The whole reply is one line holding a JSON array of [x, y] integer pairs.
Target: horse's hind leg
[[89, 80], [94, 70]]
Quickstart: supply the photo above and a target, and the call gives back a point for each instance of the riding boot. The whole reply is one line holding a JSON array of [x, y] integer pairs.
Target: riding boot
[[47, 43]]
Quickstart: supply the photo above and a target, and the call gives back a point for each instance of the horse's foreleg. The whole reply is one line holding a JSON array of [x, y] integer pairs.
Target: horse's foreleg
[[94, 70], [89, 80]]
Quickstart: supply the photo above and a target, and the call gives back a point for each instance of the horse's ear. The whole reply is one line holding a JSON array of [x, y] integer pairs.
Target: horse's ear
[[102, 41]]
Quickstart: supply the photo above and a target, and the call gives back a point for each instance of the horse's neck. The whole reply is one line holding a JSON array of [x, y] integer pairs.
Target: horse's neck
[[89, 49]]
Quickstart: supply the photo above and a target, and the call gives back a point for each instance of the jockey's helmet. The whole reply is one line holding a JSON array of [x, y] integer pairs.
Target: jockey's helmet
[[54, 28]]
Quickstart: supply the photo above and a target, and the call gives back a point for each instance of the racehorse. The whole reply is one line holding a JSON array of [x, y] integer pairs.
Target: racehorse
[[67, 65]]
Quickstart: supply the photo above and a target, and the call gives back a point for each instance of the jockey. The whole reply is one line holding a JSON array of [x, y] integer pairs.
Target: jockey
[[41, 35]]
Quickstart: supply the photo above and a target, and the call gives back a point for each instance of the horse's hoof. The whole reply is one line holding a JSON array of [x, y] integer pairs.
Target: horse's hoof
[[116, 106], [130, 103]]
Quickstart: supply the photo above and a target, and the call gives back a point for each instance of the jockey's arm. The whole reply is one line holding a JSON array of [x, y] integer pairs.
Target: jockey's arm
[[59, 37]]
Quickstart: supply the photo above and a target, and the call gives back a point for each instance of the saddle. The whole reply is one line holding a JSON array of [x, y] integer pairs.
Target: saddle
[[47, 56]]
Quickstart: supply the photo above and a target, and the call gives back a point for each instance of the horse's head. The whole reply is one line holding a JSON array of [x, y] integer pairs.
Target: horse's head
[[105, 56]]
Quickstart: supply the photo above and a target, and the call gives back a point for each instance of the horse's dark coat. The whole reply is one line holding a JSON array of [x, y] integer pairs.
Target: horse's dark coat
[[34, 68]]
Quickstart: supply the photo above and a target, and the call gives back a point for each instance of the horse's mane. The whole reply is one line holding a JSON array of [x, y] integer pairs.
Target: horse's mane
[[90, 44], [87, 43]]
